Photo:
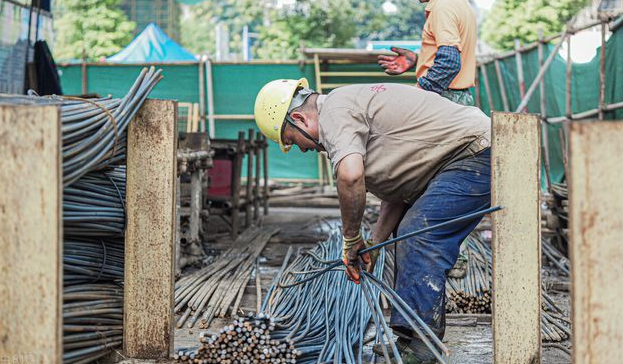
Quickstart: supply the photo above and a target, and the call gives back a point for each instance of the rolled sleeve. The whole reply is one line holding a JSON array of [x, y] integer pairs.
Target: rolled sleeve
[[447, 65]]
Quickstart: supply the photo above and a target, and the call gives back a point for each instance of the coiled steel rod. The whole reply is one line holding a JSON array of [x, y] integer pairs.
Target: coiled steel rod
[[94, 130], [322, 320]]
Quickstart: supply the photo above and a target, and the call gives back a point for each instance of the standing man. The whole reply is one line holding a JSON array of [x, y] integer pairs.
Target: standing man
[[447, 61], [413, 149]]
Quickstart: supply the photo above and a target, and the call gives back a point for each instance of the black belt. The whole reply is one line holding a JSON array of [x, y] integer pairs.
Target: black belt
[[458, 89]]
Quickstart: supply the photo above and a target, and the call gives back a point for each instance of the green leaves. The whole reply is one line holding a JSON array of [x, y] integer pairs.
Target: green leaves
[[521, 19], [320, 23], [98, 27], [198, 30]]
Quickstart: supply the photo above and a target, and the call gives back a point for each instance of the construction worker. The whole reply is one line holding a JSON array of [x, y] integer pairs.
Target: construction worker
[[413, 149], [447, 60]]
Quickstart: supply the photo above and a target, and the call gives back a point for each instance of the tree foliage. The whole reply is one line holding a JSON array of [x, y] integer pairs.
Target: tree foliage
[[98, 27], [319, 23], [521, 19], [405, 24], [198, 31]]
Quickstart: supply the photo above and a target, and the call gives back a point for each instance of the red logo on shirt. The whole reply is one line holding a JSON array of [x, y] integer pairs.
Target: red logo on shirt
[[378, 88]]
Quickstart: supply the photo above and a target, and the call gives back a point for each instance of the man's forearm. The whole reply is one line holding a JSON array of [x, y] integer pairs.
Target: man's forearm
[[352, 199], [389, 218], [351, 191]]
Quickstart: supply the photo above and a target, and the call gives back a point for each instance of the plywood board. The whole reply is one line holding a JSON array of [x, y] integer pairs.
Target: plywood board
[[596, 230], [30, 234], [515, 184], [150, 233]]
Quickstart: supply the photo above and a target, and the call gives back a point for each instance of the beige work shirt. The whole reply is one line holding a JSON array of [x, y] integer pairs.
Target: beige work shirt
[[405, 135]]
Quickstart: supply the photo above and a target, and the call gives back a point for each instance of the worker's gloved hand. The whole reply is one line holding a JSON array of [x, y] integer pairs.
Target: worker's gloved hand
[[396, 65], [352, 259], [374, 255]]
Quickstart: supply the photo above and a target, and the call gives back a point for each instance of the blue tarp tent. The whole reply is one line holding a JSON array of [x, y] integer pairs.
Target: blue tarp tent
[[152, 45]]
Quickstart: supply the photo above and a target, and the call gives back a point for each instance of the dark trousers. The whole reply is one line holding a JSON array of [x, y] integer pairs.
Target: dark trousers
[[423, 261]]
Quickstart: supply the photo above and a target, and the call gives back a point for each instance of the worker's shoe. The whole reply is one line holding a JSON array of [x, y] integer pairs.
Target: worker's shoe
[[460, 267], [411, 352]]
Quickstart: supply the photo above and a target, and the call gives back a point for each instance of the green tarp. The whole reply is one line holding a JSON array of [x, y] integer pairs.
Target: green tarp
[[584, 89]]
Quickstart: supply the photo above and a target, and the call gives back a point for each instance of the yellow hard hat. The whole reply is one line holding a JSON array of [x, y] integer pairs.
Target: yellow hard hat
[[271, 107]]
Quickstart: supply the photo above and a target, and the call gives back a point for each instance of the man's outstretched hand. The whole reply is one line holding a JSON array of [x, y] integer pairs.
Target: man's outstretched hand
[[396, 65]]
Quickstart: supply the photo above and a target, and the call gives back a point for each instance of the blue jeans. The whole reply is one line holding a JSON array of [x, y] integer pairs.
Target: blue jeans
[[423, 261]]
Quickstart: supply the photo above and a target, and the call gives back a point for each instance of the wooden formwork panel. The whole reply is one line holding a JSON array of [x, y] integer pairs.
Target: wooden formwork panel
[[150, 232], [596, 244], [30, 234], [516, 245]]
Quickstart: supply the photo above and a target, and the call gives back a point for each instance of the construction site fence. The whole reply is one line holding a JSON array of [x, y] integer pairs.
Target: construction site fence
[[572, 91], [221, 96]]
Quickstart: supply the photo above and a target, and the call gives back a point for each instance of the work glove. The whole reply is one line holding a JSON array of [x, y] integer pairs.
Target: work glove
[[354, 261], [396, 65]]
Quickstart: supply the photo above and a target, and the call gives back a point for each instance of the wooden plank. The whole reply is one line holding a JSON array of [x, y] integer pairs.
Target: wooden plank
[[596, 227], [520, 76], [501, 86], [250, 179], [516, 245], [317, 72], [30, 234], [150, 232], [211, 118]]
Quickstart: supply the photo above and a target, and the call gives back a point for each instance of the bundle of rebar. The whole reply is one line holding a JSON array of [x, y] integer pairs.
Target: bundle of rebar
[[555, 326], [315, 314], [93, 265], [92, 321], [555, 257], [94, 129], [94, 145], [92, 260], [317, 318], [560, 209], [246, 340], [472, 294], [93, 206], [216, 290]]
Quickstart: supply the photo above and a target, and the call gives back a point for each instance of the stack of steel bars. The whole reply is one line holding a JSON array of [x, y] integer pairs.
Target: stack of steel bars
[[317, 314], [94, 146], [93, 263], [561, 210], [94, 130], [217, 289], [94, 205], [92, 320], [247, 340], [555, 257], [472, 293], [555, 324]]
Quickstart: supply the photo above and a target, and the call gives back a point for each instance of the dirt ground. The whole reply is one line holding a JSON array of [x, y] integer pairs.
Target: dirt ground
[[469, 337]]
